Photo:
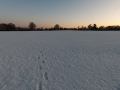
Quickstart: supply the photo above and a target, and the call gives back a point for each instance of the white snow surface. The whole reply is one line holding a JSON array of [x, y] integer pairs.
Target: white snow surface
[[60, 60]]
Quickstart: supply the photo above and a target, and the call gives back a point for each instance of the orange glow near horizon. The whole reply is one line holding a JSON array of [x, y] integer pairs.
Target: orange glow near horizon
[[66, 13], [65, 25], [74, 24]]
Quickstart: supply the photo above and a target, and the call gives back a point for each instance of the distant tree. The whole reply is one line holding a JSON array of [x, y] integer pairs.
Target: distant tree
[[46, 29], [117, 27], [84, 28], [3, 27], [21, 29], [94, 27], [40, 29], [11, 27], [101, 27], [112, 28], [61, 28], [78, 27], [90, 27], [109, 28], [32, 26], [57, 27]]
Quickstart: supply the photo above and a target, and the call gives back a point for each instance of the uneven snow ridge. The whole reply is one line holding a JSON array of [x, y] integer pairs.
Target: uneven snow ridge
[[60, 60]]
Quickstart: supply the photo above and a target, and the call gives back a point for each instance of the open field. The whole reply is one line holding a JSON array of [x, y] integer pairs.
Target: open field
[[60, 60]]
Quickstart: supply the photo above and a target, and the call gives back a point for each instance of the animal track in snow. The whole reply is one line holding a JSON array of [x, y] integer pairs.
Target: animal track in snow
[[39, 86], [40, 67], [43, 61], [46, 76], [39, 57]]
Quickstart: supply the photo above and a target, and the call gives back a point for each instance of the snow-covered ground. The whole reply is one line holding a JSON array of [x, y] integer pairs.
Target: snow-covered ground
[[60, 60]]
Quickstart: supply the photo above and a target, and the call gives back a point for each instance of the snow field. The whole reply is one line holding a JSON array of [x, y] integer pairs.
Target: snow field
[[59, 60]]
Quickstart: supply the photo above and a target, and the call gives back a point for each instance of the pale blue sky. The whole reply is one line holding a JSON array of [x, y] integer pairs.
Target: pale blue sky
[[66, 13]]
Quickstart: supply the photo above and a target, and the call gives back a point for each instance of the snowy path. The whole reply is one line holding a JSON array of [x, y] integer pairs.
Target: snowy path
[[66, 60]]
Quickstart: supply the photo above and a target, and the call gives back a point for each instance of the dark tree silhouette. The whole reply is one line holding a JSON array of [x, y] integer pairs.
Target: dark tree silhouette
[[3, 27], [101, 27], [11, 27], [32, 26], [56, 27], [94, 27], [90, 27]]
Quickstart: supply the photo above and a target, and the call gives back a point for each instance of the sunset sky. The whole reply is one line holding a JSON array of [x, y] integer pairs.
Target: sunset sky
[[66, 13]]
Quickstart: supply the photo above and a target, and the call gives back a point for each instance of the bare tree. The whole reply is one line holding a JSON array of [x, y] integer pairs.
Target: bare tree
[[94, 27], [3, 27], [57, 27], [32, 26], [11, 26], [90, 27], [101, 27]]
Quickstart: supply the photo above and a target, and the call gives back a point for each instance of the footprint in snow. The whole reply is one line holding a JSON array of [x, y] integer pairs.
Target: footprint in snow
[[39, 57], [39, 86], [40, 67], [46, 76], [118, 88], [43, 61]]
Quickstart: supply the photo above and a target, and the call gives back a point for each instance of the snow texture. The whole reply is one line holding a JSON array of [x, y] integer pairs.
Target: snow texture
[[60, 60]]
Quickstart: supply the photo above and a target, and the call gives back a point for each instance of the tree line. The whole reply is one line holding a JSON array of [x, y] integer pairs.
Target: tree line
[[32, 27]]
